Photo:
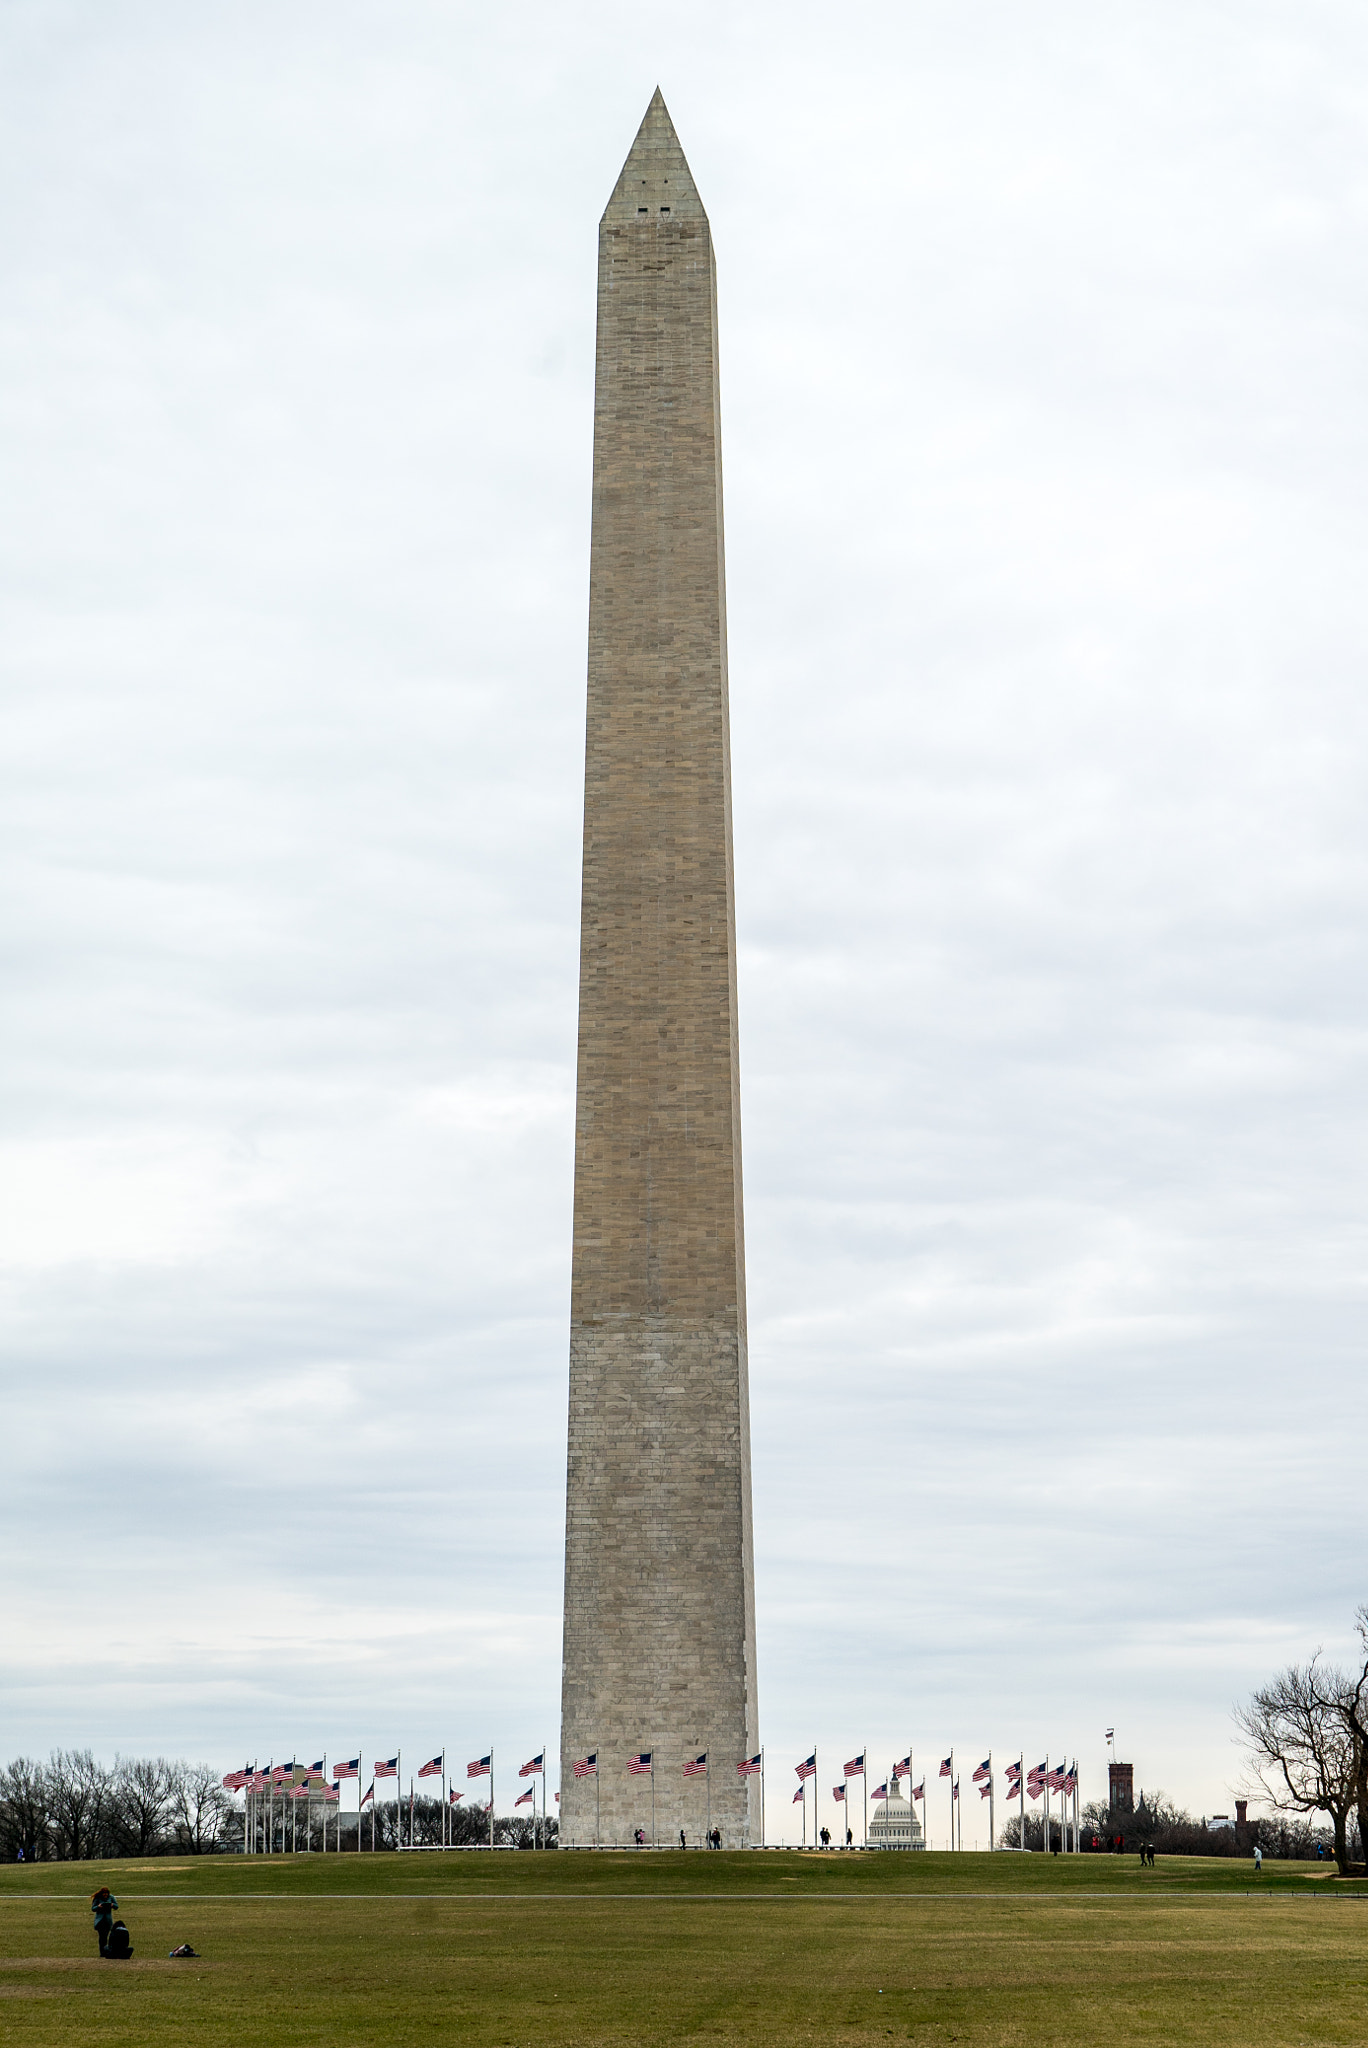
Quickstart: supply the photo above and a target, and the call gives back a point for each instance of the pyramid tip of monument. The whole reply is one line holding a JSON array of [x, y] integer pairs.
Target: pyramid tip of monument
[[655, 177]]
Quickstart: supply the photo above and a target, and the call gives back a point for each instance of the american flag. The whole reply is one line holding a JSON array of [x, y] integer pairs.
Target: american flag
[[1014, 1770], [235, 1781], [480, 1767], [530, 1793], [986, 1791], [1034, 1787], [919, 1791], [985, 1770], [879, 1792], [750, 1766], [587, 1767], [698, 1768], [281, 1772], [331, 1792], [319, 1769], [855, 1768], [387, 1767], [809, 1769], [640, 1766], [798, 1796], [838, 1792], [369, 1793], [453, 1796], [904, 1769], [1071, 1782], [351, 1770], [1110, 1733], [431, 1769], [946, 1762], [556, 1797], [1055, 1779], [258, 1782], [533, 1765], [954, 1790]]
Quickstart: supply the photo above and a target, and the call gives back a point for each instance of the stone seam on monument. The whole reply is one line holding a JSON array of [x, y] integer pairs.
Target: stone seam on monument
[[659, 1649]]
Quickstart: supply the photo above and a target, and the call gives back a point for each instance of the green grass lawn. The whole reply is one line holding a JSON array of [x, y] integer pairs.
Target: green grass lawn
[[623, 1948]]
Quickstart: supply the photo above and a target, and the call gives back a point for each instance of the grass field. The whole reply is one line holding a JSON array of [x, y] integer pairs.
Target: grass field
[[784, 1947]]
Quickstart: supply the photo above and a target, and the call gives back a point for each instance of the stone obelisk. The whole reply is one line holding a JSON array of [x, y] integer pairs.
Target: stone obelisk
[[659, 1584]]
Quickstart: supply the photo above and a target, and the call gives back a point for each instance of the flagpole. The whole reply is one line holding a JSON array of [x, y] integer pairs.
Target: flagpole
[[762, 1795], [491, 1795], [864, 1781], [597, 1830], [992, 1806], [710, 1792], [952, 1795]]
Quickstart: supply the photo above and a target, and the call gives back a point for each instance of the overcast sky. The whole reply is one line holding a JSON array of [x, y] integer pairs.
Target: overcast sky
[[1044, 436]]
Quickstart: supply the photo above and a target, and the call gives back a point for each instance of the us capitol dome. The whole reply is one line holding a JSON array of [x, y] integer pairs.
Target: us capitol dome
[[894, 1825]]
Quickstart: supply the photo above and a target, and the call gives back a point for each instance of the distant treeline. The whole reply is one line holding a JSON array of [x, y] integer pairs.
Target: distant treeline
[[1171, 1832], [469, 1828], [74, 1809]]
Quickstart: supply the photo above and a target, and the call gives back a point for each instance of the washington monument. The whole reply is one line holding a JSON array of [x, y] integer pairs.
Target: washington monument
[[659, 1583]]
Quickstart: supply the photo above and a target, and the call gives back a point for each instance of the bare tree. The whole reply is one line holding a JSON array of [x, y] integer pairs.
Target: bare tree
[[200, 1806], [1302, 1745], [23, 1809], [1352, 1703], [77, 1802], [144, 1789]]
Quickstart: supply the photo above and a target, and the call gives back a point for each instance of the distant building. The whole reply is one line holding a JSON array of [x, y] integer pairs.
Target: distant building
[[894, 1825], [1220, 1820], [1121, 1787]]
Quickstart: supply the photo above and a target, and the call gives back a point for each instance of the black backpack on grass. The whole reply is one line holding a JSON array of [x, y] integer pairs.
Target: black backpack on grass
[[120, 1946]]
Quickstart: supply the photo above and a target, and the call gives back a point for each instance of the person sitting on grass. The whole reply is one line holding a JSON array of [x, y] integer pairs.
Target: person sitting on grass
[[120, 1945], [104, 1906]]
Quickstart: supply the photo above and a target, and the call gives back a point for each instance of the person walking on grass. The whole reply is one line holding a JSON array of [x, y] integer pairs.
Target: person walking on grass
[[1258, 1860], [104, 1906]]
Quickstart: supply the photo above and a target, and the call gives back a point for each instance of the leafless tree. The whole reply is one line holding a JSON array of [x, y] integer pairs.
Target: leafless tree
[[1352, 1703], [143, 1793], [199, 1805], [78, 1791], [23, 1809], [1302, 1745]]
